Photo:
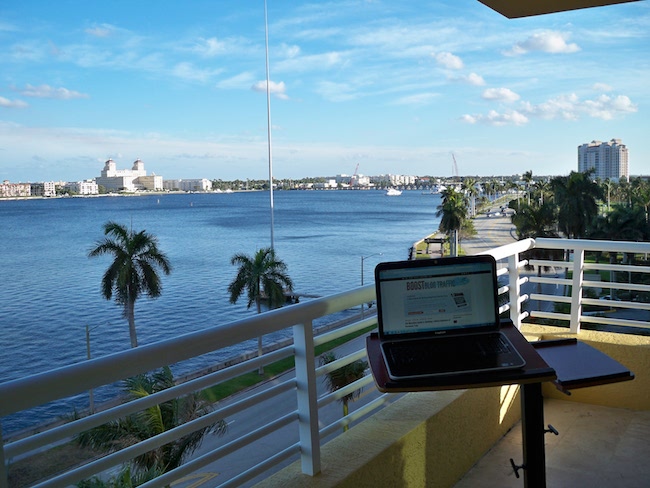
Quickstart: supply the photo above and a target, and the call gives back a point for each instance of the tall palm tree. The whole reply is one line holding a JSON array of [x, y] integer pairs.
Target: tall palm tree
[[262, 277], [134, 270], [577, 197], [342, 377], [155, 420], [469, 187], [453, 213]]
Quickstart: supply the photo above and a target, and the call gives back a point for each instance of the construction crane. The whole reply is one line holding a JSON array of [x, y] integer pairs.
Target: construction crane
[[454, 167], [353, 180]]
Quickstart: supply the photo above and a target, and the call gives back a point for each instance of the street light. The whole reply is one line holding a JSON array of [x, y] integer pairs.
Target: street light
[[363, 258]]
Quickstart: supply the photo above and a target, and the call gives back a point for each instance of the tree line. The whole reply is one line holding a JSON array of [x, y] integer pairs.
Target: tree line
[[576, 206]]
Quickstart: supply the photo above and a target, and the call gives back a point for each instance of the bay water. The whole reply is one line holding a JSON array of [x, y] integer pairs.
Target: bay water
[[50, 288]]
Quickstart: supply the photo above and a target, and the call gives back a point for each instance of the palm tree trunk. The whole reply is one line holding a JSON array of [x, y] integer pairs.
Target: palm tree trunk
[[130, 315]]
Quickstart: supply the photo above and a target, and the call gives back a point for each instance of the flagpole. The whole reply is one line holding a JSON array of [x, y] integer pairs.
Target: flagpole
[[268, 121]]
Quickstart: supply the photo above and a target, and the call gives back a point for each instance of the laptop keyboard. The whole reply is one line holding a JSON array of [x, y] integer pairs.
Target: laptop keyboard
[[448, 354]]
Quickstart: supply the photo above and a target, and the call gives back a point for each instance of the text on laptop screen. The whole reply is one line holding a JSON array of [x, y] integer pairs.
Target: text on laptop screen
[[437, 298]]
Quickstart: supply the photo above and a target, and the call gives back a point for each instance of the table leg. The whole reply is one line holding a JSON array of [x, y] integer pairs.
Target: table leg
[[532, 431]]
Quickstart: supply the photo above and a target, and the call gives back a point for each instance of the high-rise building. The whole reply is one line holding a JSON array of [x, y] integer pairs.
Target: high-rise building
[[608, 159]]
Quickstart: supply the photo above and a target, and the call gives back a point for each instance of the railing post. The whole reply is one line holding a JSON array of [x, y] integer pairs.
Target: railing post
[[515, 289], [303, 335], [576, 289], [4, 471]]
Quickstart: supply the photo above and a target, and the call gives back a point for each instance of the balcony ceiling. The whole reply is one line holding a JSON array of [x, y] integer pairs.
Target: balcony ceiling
[[525, 8]]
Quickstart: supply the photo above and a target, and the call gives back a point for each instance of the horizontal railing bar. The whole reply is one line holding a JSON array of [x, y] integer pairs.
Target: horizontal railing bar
[[593, 245], [550, 315], [342, 422], [618, 286], [550, 298], [340, 362], [260, 468], [25, 393], [348, 329], [618, 267], [341, 392], [550, 281], [503, 252], [617, 304], [68, 430], [214, 455], [612, 321], [550, 263]]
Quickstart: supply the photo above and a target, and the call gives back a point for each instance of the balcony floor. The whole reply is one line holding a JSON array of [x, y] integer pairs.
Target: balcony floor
[[597, 446]]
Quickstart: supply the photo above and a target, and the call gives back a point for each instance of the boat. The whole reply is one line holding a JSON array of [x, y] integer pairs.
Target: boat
[[393, 192], [436, 190]]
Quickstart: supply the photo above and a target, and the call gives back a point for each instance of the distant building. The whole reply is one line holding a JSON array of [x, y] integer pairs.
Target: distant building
[[394, 180], [8, 189], [202, 184], [128, 180], [45, 189], [87, 187], [608, 159]]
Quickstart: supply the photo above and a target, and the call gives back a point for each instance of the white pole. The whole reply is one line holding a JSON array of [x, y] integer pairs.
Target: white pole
[[268, 121]]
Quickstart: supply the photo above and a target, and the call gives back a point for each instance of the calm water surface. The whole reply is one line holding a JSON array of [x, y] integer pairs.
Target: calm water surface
[[50, 289]]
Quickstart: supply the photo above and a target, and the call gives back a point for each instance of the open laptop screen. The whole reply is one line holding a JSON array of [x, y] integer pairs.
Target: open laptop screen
[[437, 296]]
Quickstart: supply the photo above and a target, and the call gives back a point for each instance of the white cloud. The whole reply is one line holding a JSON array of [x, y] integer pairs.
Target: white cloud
[[448, 60], [6, 103], [103, 30], [546, 41], [47, 91], [474, 79], [317, 62], [471, 79], [210, 47], [289, 51], [606, 107], [418, 99], [512, 117], [187, 71], [563, 107], [242, 80], [500, 94], [602, 87], [277, 89]]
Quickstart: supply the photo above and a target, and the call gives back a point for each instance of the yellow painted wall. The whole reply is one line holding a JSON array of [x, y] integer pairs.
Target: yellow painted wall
[[424, 439]]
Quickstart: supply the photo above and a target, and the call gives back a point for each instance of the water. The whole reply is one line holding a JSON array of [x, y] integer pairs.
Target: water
[[50, 288]]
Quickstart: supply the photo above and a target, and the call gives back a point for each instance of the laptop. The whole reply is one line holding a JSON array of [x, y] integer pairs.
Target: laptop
[[440, 317]]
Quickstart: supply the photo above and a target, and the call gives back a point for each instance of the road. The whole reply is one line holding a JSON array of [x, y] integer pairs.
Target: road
[[262, 414]]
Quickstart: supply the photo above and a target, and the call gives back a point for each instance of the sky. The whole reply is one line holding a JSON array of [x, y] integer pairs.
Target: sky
[[398, 87]]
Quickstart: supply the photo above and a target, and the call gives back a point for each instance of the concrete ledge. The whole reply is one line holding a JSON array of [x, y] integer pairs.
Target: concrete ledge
[[632, 351], [424, 439]]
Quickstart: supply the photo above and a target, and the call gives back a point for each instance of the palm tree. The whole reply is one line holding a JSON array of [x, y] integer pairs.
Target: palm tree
[[453, 213], [154, 420], [577, 197], [133, 271], [469, 187], [262, 277], [528, 178], [342, 377]]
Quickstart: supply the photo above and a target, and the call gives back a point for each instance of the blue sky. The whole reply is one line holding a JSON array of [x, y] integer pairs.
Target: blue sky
[[395, 87]]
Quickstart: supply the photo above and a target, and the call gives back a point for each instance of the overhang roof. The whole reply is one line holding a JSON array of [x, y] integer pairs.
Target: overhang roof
[[525, 8]]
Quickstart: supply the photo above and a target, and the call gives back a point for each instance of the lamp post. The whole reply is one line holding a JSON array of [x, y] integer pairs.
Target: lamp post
[[363, 258]]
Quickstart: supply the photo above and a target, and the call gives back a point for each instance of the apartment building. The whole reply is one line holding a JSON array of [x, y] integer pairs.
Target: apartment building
[[608, 159]]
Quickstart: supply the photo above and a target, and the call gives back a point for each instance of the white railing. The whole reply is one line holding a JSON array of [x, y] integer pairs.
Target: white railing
[[25, 393]]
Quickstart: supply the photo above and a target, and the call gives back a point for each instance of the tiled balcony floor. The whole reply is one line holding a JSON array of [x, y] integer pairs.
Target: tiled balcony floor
[[596, 447]]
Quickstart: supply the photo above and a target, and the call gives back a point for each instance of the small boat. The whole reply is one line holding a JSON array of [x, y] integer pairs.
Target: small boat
[[393, 192]]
